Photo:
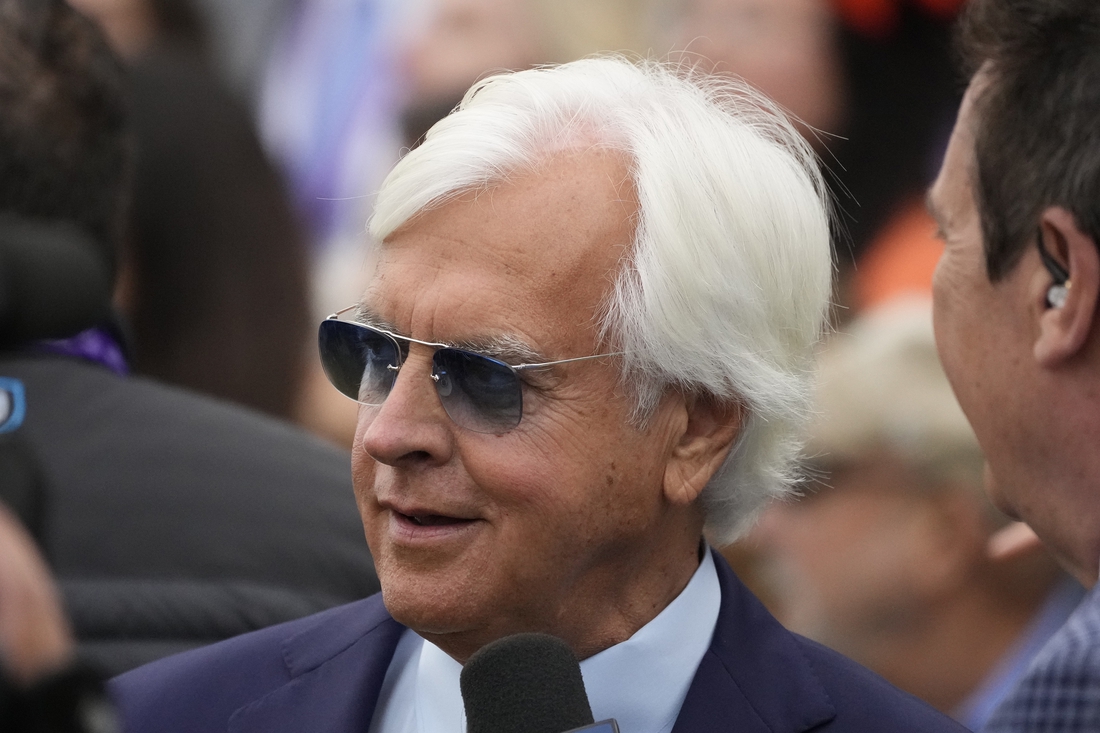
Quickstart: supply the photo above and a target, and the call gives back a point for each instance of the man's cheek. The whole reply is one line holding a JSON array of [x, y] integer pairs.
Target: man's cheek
[[993, 489]]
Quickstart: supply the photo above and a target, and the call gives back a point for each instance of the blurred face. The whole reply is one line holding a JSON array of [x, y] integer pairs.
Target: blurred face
[[844, 561], [129, 25], [464, 39], [559, 525], [784, 48]]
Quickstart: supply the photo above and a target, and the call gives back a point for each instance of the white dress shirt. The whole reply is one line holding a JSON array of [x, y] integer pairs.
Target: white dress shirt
[[641, 682]]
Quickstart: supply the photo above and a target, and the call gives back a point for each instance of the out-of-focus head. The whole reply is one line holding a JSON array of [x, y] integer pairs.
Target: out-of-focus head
[[64, 150], [1023, 168], [596, 207], [128, 24], [461, 40], [133, 26], [886, 556], [458, 42], [881, 391], [866, 547], [785, 48]]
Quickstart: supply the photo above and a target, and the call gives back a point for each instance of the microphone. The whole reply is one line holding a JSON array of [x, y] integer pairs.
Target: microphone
[[53, 281], [527, 683]]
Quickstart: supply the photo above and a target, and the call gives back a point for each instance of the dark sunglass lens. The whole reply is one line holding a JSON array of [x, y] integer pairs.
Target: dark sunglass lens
[[479, 393], [358, 360]]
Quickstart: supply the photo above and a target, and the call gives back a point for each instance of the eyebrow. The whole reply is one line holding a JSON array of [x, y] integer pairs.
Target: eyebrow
[[509, 349]]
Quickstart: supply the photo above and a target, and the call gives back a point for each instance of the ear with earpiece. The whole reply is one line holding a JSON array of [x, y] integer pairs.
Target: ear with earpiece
[[1058, 292], [1072, 261]]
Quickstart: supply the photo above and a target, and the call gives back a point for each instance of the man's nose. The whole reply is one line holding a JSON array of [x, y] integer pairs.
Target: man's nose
[[410, 426]]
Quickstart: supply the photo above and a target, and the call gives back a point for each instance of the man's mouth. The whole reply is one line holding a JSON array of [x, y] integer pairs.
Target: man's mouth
[[432, 520]]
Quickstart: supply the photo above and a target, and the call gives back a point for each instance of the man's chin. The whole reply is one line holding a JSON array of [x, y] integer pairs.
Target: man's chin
[[427, 612], [453, 630]]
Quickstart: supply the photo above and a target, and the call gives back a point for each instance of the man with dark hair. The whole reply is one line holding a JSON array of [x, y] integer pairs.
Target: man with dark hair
[[170, 520], [1016, 296], [63, 152]]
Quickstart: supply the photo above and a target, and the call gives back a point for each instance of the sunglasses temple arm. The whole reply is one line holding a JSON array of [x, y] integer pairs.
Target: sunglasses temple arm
[[342, 311], [566, 361]]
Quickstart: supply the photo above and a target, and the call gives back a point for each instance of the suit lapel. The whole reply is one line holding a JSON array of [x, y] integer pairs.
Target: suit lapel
[[336, 670], [754, 677]]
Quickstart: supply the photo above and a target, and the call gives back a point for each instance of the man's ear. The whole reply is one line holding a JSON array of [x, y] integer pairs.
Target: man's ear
[[708, 433], [1012, 541], [1064, 329]]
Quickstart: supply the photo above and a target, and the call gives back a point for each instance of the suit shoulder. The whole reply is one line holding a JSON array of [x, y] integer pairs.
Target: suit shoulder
[[199, 690], [234, 422], [83, 393], [865, 701]]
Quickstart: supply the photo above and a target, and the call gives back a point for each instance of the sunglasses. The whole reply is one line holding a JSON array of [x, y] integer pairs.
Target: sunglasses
[[479, 393]]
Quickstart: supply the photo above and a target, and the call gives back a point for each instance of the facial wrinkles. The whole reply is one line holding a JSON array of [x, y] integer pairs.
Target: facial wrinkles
[[549, 413], [428, 310], [569, 487], [550, 431]]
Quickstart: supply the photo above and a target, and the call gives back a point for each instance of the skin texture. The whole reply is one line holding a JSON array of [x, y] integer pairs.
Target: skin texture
[[575, 523], [1024, 374]]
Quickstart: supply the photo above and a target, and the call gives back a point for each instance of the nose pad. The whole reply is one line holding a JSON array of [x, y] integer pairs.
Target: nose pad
[[410, 426], [408, 388]]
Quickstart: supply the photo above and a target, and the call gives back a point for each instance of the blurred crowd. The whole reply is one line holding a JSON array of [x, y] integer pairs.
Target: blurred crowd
[[262, 129]]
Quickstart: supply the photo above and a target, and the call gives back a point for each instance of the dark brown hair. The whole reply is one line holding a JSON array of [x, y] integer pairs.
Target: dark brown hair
[[64, 148], [1037, 122]]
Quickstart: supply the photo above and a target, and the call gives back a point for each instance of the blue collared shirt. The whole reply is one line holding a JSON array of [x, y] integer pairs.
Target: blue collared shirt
[[641, 682]]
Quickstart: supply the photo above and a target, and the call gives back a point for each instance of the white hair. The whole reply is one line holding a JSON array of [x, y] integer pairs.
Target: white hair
[[726, 289]]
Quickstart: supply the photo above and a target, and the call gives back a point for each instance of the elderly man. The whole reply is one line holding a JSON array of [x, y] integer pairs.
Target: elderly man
[[1016, 294], [586, 337]]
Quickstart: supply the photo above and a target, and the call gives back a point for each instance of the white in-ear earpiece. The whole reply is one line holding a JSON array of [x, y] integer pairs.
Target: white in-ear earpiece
[[1056, 296]]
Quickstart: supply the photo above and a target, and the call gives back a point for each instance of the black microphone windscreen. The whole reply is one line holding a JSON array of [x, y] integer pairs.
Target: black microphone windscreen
[[527, 683]]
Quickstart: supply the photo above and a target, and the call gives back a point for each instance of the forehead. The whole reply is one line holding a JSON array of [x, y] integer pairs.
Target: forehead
[[547, 241], [951, 197]]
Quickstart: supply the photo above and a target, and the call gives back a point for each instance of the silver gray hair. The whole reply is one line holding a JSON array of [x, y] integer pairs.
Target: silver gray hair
[[726, 289]]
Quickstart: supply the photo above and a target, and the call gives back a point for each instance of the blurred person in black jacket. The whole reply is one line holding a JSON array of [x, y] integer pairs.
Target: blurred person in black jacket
[[170, 520], [42, 686]]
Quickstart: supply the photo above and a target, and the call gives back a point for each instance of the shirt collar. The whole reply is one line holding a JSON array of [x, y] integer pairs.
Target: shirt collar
[[641, 682]]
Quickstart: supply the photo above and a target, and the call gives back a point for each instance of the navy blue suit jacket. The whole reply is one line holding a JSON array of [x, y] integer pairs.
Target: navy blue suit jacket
[[324, 672]]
